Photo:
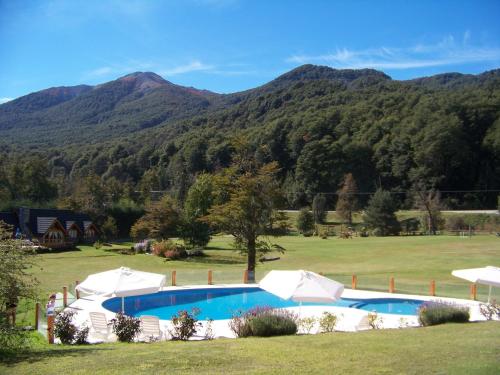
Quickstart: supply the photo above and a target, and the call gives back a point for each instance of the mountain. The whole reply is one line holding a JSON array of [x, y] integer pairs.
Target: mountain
[[84, 113], [318, 123]]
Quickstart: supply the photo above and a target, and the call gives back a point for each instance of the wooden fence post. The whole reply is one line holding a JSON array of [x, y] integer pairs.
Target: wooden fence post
[[37, 315], [245, 277], [209, 277], [354, 282], [77, 292], [473, 291], [433, 288], [391, 285], [65, 296], [174, 278], [50, 328]]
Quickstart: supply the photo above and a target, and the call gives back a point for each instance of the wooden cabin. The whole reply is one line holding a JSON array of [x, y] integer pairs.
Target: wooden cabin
[[56, 229]]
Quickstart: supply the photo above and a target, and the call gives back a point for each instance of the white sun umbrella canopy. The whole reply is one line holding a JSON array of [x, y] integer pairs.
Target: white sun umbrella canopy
[[488, 275], [122, 282], [302, 286]]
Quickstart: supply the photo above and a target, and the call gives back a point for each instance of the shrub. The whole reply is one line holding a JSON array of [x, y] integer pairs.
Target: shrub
[[374, 321], [209, 332], [67, 332], [306, 324], [143, 246], [82, 336], [264, 322], [184, 325], [432, 313], [327, 322], [97, 244], [305, 222], [169, 249], [126, 327], [64, 329], [490, 310]]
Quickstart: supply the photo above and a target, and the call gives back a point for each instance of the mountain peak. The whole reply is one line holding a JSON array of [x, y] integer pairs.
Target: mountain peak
[[315, 72], [144, 80]]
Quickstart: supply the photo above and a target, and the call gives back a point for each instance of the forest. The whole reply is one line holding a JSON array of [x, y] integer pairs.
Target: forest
[[135, 139]]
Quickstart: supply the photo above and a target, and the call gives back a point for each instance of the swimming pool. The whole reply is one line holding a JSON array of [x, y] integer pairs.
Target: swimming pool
[[222, 303]]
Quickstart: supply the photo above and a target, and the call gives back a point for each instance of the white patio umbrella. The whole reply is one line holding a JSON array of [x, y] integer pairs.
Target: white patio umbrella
[[122, 282], [488, 275], [302, 286]]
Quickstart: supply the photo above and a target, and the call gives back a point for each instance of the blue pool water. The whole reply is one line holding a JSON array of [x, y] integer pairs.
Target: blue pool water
[[222, 303]]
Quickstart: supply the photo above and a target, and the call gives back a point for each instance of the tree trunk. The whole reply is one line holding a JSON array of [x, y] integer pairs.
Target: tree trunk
[[251, 260]]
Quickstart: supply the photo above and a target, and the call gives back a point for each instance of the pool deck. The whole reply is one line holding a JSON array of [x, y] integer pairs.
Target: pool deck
[[350, 319]]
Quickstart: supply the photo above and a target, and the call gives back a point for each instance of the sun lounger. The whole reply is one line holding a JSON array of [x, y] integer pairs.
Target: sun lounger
[[150, 328], [363, 324], [100, 325]]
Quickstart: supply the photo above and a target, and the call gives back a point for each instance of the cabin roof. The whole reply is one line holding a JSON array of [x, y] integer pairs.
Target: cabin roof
[[41, 219]]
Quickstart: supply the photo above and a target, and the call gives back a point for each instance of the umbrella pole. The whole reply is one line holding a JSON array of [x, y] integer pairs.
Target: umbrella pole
[[489, 295], [123, 305]]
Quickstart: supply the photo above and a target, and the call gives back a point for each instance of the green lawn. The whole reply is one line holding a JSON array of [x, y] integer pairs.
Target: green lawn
[[448, 349], [413, 261]]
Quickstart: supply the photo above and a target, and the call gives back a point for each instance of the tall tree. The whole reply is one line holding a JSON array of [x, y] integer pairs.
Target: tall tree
[[160, 221], [429, 202], [195, 232], [319, 208], [305, 221], [246, 196], [380, 215], [347, 202]]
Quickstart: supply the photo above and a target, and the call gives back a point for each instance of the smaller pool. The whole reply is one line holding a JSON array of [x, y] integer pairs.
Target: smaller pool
[[223, 303]]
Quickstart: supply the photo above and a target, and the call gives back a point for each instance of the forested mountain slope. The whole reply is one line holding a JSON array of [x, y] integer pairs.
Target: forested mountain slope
[[318, 123]]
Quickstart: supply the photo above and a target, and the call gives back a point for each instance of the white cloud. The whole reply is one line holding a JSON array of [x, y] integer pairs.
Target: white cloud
[[193, 66], [446, 52], [103, 71], [5, 100]]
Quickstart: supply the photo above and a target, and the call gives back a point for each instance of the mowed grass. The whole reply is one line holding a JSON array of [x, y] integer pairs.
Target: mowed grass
[[413, 261], [448, 349]]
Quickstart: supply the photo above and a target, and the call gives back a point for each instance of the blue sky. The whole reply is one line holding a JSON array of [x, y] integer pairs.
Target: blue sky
[[233, 45]]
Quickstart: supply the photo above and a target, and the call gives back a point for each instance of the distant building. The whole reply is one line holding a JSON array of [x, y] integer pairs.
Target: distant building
[[52, 228]]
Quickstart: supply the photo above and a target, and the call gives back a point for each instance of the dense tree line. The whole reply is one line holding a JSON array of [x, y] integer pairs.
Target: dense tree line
[[318, 124]]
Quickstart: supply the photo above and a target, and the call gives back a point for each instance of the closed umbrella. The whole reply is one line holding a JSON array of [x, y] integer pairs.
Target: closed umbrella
[[488, 275], [302, 286], [122, 282]]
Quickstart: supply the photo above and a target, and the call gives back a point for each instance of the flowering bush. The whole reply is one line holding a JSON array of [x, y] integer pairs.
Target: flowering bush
[[126, 327], [264, 322], [64, 329], [490, 310], [432, 313], [169, 249], [144, 246], [184, 324], [67, 332]]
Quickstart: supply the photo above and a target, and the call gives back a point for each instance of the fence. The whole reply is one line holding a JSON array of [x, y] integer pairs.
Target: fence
[[373, 282]]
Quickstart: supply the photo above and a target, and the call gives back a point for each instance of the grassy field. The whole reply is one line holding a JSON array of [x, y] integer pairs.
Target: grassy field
[[413, 261], [447, 349]]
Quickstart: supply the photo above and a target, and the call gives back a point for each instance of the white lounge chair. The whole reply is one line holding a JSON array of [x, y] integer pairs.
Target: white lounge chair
[[363, 324], [100, 325], [150, 328]]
